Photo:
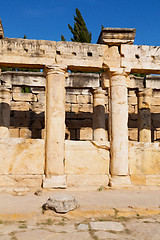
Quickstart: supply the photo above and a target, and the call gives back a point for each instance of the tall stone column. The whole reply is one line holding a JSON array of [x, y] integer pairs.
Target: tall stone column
[[99, 128], [55, 127], [144, 115], [5, 97], [119, 128]]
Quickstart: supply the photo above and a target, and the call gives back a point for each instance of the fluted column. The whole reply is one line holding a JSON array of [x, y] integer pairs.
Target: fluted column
[[99, 128], [144, 115], [119, 128], [55, 127]]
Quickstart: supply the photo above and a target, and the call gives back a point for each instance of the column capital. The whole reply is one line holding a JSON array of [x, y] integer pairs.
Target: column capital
[[55, 69], [119, 71]]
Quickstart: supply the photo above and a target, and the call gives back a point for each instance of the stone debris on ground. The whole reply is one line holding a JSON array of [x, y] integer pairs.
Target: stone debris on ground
[[61, 203]]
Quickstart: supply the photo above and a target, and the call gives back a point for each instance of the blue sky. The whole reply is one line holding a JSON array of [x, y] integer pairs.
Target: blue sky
[[49, 19]]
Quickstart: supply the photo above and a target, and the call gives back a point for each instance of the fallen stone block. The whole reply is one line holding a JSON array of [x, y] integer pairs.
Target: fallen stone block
[[61, 203]]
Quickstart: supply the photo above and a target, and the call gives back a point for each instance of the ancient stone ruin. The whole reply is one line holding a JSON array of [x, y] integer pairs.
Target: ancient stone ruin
[[86, 119]]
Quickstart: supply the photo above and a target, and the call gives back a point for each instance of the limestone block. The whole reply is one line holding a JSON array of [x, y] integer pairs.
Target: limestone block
[[83, 80], [68, 107], [86, 133], [153, 180], [83, 99], [76, 162], [31, 181], [30, 53], [14, 132], [25, 133], [83, 180], [140, 57], [37, 107], [131, 108], [117, 36], [155, 101], [132, 100], [82, 55], [155, 109], [107, 226], [16, 89], [23, 156], [133, 134], [20, 106], [131, 93], [78, 91], [144, 158], [112, 57], [56, 181], [70, 98], [24, 97], [119, 181], [156, 93], [39, 89], [75, 108], [61, 203], [138, 180], [4, 133], [86, 108]]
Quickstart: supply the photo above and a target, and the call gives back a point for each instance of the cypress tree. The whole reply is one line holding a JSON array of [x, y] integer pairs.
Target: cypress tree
[[80, 31]]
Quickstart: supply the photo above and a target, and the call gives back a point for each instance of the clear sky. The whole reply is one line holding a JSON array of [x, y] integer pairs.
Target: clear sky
[[48, 19]]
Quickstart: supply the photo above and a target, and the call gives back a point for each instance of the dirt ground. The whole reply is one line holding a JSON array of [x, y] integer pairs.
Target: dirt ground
[[102, 214]]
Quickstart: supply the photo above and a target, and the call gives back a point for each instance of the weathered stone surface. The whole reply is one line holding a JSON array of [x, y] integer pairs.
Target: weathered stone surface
[[57, 181], [76, 162], [83, 80], [117, 36], [22, 156], [144, 58], [107, 226], [144, 158], [61, 203], [26, 97], [83, 227], [86, 180], [83, 55]]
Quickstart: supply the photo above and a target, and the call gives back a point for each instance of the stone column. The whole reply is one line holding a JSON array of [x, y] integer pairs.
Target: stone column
[[5, 97], [99, 128], [55, 127], [144, 115], [119, 128]]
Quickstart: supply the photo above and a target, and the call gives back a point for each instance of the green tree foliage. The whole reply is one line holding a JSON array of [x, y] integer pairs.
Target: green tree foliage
[[80, 31], [63, 38]]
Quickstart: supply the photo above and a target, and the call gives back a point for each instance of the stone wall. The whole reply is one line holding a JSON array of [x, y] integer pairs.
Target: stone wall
[[144, 166], [28, 109]]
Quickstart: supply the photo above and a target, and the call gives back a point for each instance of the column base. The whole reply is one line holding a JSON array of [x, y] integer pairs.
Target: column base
[[57, 181], [120, 181]]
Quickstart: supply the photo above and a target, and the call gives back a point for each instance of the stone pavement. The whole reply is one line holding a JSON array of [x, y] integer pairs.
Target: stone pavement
[[103, 214], [64, 229]]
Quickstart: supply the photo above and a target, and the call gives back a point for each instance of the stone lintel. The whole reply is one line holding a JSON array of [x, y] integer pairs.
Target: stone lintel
[[117, 36], [57, 181]]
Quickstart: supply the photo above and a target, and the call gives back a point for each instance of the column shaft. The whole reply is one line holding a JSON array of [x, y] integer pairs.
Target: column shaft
[[118, 121], [99, 125], [144, 115], [55, 120]]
